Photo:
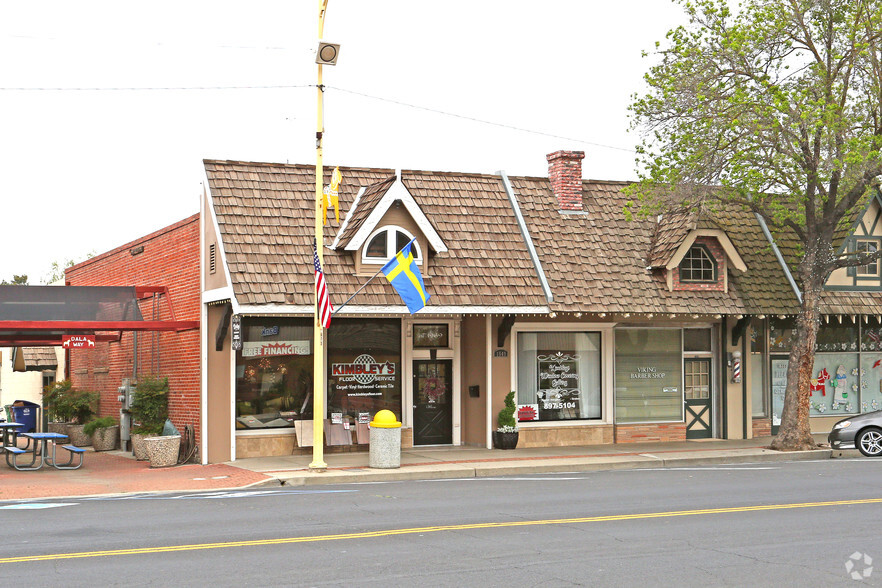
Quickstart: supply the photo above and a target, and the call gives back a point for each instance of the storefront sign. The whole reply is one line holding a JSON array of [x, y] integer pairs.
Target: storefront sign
[[236, 332], [364, 376], [528, 412], [647, 373], [275, 348], [430, 336], [78, 341], [364, 418], [336, 418], [558, 387], [269, 331]]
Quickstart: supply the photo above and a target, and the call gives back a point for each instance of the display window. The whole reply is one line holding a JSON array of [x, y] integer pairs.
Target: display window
[[649, 372], [364, 367], [847, 373], [558, 376], [274, 373]]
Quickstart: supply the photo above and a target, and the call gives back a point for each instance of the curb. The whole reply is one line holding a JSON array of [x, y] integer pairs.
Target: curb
[[444, 470]]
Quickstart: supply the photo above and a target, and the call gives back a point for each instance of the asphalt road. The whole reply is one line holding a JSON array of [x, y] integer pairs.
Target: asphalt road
[[782, 524]]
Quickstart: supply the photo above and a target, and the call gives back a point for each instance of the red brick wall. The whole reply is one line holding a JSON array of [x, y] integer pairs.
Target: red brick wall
[[719, 256], [650, 432], [170, 258], [762, 427]]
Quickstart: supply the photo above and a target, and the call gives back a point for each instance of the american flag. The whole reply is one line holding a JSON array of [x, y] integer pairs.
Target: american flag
[[321, 291]]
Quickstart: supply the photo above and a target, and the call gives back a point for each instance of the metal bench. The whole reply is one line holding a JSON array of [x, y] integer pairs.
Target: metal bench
[[14, 452], [68, 465]]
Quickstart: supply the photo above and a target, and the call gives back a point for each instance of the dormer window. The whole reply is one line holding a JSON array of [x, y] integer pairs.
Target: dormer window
[[384, 243], [698, 265]]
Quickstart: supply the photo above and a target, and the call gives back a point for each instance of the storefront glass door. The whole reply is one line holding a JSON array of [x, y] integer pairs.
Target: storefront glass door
[[433, 402], [697, 398]]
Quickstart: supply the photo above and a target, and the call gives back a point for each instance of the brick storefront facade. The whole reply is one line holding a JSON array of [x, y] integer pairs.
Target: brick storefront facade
[[168, 257]]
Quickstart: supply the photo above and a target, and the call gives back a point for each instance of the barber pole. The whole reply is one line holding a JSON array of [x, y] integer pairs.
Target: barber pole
[[736, 367]]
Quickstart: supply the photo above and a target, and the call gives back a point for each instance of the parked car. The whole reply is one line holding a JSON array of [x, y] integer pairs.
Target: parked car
[[862, 432]]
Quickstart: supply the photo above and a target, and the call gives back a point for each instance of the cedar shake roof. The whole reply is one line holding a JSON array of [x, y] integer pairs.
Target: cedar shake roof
[[603, 265], [39, 358], [670, 232], [265, 214], [595, 260], [365, 205]]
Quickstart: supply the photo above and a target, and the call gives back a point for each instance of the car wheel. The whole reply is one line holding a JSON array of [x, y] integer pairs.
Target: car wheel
[[869, 442]]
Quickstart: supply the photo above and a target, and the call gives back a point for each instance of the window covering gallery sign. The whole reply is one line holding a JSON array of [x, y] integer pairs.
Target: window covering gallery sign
[[274, 348], [78, 341], [557, 389]]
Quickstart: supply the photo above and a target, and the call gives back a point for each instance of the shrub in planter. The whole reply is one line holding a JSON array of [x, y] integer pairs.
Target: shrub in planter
[[149, 411], [56, 409], [506, 434], [73, 407], [104, 432]]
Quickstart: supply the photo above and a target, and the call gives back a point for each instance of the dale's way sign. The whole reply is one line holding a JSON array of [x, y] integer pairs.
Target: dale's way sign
[[77, 341]]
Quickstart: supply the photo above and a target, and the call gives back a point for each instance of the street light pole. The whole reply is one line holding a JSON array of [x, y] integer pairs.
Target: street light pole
[[318, 377]]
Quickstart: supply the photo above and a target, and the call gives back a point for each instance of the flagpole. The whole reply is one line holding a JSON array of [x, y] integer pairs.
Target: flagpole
[[336, 310], [318, 377]]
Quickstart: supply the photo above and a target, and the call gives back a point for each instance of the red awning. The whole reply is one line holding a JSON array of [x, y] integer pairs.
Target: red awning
[[42, 315]]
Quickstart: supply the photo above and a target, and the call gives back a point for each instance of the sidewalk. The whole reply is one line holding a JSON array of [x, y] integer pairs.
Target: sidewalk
[[117, 472]]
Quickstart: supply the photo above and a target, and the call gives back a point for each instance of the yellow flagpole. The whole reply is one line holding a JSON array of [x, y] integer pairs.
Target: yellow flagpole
[[318, 377]]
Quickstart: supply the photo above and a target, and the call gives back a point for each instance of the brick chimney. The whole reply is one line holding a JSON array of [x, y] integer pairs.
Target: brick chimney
[[565, 175]]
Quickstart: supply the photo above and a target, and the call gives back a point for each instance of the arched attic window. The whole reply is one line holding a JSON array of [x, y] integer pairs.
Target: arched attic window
[[384, 243], [698, 265]]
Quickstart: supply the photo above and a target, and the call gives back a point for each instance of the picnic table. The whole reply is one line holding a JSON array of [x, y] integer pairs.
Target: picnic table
[[8, 432], [40, 453]]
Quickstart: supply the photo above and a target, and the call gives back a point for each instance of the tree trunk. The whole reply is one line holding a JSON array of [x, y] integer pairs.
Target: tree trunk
[[795, 432]]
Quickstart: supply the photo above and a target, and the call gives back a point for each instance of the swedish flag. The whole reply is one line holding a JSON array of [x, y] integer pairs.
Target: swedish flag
[[404, 275]]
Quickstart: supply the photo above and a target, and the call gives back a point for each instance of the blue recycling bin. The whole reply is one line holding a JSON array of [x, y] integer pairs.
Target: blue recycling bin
[[26, 413]]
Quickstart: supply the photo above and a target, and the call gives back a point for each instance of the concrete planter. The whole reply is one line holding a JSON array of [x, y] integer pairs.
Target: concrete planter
[[105, 439], [77, 436], [138, 448], [163, 451], [58, 428]]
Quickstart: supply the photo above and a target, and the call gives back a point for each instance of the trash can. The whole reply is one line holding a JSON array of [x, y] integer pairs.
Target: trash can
[[385, 452], [26, 413]]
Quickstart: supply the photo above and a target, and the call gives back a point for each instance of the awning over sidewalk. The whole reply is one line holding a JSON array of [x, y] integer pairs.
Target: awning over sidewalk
[[42, 315]]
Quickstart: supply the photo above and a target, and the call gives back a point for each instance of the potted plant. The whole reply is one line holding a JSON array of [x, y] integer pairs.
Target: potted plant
[[506, 434], [104, 432], [149, 411], [57, 410], [81, 405]]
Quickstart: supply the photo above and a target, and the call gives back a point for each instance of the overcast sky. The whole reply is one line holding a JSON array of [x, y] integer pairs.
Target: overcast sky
[[84, 171]]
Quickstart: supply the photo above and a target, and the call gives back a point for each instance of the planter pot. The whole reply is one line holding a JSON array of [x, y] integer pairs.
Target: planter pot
[[163, 451], [77, 436], [505, 440], [138, 448], [105, 439], [58, 428]]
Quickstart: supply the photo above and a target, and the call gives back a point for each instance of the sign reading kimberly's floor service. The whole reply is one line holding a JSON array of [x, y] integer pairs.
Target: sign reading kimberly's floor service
[[364, 376]]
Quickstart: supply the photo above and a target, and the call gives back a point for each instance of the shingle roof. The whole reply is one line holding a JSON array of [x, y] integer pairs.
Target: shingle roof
[[594, 260], [265, 215], [602, 265], [363, 208], [39, 358]]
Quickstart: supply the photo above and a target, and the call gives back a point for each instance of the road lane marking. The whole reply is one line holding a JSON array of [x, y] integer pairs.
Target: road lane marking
[[420, 530], [36, 505]]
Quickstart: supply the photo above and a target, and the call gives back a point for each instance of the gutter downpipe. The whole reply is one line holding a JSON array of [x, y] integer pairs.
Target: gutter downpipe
[[765, 228]]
